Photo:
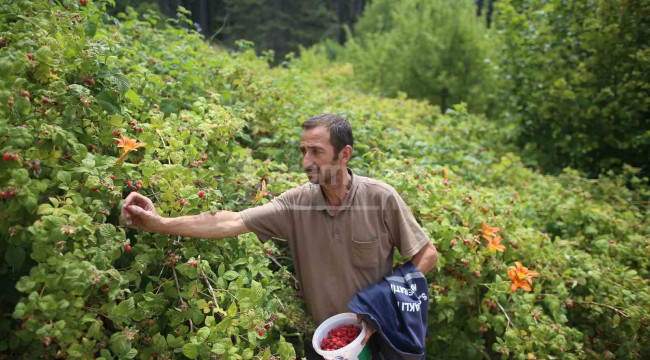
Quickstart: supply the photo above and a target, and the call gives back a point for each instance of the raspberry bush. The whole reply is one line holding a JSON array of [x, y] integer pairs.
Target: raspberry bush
[[220, 131]]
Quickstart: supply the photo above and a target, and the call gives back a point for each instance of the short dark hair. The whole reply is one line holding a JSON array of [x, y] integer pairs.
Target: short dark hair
[[340, 130]]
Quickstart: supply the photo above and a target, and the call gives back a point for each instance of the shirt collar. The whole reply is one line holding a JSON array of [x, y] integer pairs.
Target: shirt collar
[[319, 198]]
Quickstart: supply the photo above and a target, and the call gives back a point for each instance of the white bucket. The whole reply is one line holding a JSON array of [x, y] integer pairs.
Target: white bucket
[[352, 351]]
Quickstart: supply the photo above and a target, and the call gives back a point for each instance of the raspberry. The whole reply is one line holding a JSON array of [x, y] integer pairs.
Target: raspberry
[[260, 333], [201, 194], [112, 177], [203, 157], [30, 56], [127, 248], [6, 156], [116, 133], [340, 337]]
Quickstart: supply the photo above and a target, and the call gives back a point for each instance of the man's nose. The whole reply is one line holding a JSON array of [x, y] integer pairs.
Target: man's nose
[[307, 160]]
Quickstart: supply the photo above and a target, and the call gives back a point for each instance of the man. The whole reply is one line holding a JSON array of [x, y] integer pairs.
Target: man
[[342, 228]]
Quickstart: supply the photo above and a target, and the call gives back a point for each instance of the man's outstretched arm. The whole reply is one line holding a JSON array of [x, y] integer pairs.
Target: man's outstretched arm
[[138, 210], [206, 225]]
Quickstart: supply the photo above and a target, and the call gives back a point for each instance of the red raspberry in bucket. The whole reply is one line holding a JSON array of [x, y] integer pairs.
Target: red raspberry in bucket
[[340, 337]]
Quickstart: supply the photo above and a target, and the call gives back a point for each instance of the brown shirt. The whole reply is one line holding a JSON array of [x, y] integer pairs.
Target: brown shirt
[[336, 255]]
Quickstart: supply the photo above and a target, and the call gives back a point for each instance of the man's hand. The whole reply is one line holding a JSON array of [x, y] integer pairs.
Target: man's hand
[[138, 209], [369, 330]]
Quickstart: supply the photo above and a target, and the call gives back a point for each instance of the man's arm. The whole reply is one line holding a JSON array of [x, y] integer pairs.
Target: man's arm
[[138, 210], [426, 258], [206, 225]]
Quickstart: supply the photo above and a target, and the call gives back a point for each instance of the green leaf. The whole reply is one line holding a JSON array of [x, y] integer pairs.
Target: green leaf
[[230, 275], [116, 120], [135, 99], [232, 309], [191, 350], [125, 308], [20, 176], [203, 334], [15, 257], [90, 29], [64, 177], [131, 353], [159, 343], [221, 270], [121, 82], [173, 341], [247, 354]]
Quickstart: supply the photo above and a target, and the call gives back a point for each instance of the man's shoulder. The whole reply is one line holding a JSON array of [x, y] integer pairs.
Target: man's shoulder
[[300, 193], [375, 186]]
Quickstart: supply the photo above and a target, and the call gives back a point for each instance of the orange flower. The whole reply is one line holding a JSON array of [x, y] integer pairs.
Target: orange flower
[[495, 243], [260, 193], [127, 144], [488, 231], [521, 277]]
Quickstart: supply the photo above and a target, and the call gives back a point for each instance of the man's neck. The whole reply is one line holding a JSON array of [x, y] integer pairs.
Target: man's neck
[[336, 193]]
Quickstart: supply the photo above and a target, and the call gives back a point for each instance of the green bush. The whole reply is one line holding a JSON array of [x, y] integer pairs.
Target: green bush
[[75, 289], [435, 50], [577, 81]]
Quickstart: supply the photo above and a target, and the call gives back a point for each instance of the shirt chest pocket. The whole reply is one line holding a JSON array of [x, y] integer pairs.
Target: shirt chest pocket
[[365, 252]]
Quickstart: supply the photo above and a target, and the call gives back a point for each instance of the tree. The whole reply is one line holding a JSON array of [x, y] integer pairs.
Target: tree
[[278, 25], [435, 50], [578, 81]]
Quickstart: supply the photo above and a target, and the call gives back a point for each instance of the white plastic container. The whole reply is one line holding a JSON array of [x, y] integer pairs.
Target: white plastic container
[[353, 351]]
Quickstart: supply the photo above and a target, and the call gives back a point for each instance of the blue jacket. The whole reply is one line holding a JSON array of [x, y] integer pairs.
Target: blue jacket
[[397, 307]]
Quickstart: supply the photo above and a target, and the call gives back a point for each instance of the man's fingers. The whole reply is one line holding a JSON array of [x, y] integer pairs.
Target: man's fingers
[[134, 211], [365, 339], [131, 200]]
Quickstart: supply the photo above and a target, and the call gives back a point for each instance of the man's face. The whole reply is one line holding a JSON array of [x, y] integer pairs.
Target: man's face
[[318, 159]]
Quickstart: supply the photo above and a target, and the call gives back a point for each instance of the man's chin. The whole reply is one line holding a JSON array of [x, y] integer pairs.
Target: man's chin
[[313, 178]]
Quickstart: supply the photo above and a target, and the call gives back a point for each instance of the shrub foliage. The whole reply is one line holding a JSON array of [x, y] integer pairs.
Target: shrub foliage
[[78, 284], [577, 81]]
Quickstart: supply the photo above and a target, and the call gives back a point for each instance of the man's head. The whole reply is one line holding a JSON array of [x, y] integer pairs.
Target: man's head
[[326, 147]]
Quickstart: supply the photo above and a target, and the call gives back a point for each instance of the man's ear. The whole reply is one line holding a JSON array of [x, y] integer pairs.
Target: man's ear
[[346, 153]]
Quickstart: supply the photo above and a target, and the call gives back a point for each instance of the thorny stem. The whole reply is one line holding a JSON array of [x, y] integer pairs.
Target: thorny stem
[[617, 310], [214, 298], [507, 317], [180, 298]]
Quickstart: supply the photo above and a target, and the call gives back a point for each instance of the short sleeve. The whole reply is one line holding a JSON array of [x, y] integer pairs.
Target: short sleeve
[[406, 234], [273, 219]]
